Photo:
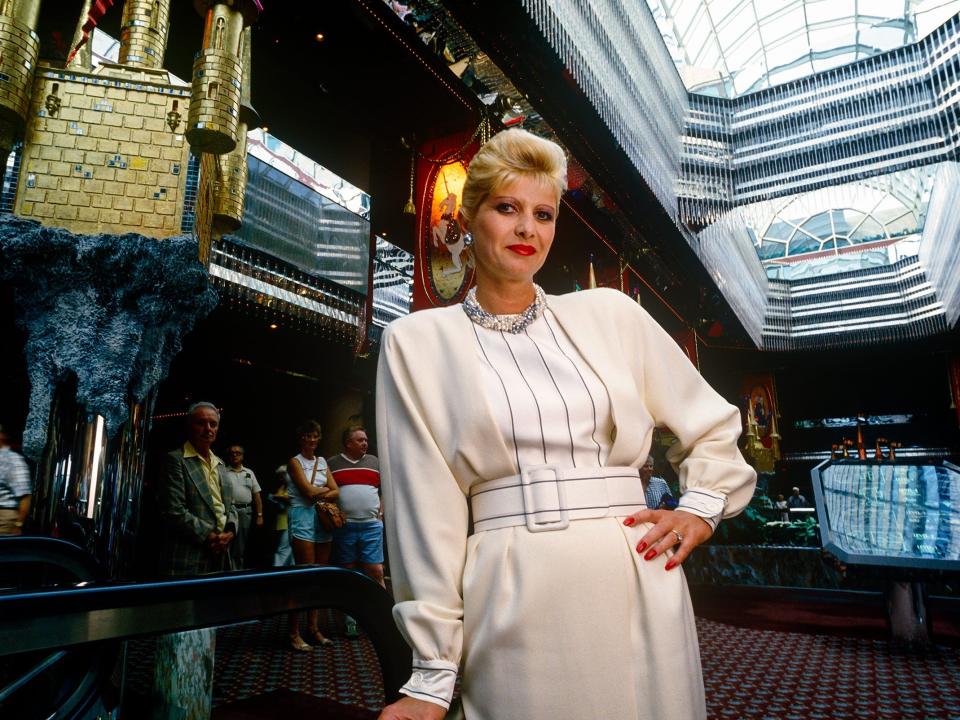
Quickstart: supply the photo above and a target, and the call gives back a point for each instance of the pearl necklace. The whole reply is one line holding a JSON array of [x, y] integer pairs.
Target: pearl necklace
[[504, 323]]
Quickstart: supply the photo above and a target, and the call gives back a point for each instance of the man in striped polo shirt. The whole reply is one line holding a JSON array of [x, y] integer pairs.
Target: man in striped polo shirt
[[359, 543]]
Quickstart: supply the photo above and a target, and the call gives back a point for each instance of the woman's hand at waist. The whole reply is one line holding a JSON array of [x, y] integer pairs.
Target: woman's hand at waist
[[675, 529], [408, 708]]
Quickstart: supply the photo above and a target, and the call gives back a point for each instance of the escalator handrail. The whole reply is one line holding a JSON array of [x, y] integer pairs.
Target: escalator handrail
[[50, 551], [100, 611]]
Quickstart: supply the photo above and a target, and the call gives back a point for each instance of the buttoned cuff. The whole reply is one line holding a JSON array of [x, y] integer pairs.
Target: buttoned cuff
[[432, 681], [705, 504]]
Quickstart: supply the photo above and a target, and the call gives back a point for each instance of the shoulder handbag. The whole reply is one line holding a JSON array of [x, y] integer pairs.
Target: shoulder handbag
[[330, 514]]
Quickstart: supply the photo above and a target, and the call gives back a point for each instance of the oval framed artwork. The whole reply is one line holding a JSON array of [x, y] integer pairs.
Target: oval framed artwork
[[446, 265]]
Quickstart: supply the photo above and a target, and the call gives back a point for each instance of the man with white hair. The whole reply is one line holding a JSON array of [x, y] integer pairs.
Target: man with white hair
[[198, 514], [796, 500]]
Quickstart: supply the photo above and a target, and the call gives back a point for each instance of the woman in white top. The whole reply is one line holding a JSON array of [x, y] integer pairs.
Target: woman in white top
[[510, 432], [309, 482]]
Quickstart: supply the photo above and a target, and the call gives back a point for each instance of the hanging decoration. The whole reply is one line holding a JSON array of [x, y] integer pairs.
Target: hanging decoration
[[954, 376], [257, 283], [410, 208], [761, 433]]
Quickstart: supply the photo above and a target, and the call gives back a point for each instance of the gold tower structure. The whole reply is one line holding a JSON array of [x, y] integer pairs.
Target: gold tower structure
[[19, 47], [143, 32], [231, 171], [218, 77], [108, 149]]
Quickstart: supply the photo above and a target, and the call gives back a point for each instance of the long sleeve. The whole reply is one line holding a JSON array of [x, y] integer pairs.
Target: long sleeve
[[715, 481], [426, 518], [173, 503]]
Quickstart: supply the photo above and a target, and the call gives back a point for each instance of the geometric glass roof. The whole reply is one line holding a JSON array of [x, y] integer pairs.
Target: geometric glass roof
[[820, 225], [728, 48]]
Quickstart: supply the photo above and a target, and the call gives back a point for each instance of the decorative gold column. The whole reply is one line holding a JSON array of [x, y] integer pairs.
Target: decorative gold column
[[143, 32], [217, 77], [231, 181], [19, 46]]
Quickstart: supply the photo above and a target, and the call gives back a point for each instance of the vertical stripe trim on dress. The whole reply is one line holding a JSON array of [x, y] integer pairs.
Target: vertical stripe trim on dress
[[593, 404], [513, 428], [566, 410], [543, 440]]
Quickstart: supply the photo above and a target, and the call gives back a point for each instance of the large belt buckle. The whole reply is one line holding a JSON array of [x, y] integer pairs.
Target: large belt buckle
[[528, 510]]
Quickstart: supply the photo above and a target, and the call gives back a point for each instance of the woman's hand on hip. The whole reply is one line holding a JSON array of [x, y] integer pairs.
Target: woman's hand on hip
[[675, 529], [408, 708]]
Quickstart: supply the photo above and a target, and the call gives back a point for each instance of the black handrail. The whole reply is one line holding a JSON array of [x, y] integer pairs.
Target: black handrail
[[51, 552], [62, 617]]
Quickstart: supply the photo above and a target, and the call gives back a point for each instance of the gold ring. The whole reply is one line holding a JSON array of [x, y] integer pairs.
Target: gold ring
[[679, 536]]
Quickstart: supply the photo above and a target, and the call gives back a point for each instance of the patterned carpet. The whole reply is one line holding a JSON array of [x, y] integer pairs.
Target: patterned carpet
[[779, 675], [749, 673]]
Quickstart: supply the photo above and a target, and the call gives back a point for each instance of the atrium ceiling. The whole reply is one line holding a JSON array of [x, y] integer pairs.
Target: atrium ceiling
[[729, 48]]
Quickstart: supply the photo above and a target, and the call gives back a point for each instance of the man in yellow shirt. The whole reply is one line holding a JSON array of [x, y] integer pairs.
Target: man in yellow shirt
[[198, 515]]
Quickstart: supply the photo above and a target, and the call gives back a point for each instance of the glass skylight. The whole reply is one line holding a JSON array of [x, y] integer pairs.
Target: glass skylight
[[729, 48], [832, 227]]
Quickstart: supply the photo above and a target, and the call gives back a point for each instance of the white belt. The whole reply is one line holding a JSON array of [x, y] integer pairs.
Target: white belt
[[548, 497]]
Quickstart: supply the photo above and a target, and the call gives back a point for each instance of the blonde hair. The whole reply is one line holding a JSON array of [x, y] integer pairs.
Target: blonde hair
[[507, 156]]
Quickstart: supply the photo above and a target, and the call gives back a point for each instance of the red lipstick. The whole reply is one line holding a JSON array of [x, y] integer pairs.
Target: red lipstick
[[522, 249]]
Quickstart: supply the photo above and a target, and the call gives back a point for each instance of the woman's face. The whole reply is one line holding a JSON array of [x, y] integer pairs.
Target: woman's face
[[513, 230], [308, 441]]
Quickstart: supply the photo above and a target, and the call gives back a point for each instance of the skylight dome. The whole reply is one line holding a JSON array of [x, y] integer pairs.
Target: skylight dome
[[826, 224]]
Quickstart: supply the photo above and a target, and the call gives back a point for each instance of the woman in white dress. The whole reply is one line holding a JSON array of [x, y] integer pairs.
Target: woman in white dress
[[521, 551]]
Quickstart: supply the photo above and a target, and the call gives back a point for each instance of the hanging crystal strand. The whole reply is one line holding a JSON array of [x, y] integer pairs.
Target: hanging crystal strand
[[817, 132], [722, 136], [866, 103], [708, 138], [726, 109], [716, 160], [785, 138], [952, 72], [891, 135], [703, 175], [698, 185], [948, 111]]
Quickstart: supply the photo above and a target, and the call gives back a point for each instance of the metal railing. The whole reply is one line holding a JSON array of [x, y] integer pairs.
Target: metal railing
[[90, 612]]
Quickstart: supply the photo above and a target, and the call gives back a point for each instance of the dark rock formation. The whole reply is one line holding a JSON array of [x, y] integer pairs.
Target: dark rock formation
[[110, 309]]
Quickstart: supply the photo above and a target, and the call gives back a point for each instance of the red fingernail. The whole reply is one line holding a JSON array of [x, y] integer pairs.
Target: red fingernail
[[641, 546], [671, 565], [629, 521], [651, 553]]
